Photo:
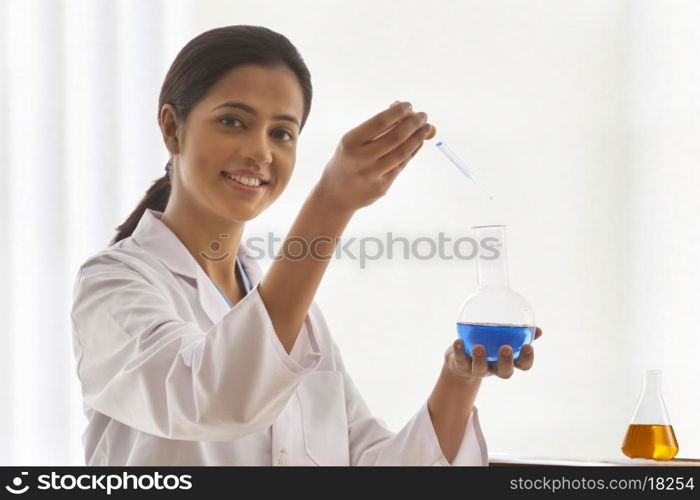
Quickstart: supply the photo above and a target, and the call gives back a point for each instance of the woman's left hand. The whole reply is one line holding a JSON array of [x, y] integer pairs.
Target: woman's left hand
[[462, 366]]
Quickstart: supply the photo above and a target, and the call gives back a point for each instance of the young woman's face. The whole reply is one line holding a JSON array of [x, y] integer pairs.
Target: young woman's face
[[248, 121]]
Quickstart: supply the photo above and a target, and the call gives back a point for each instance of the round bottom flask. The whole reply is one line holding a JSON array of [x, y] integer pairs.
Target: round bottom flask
[[494, 315]]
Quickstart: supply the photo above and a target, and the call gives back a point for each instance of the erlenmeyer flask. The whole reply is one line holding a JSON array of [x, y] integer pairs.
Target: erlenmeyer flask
[[494, 314], [650, 435]]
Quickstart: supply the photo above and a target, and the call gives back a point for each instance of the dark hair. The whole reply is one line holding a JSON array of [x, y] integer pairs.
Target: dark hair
[[198, 66]]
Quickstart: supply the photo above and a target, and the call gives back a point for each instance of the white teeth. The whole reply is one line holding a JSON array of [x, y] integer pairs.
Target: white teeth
[[248, 181]]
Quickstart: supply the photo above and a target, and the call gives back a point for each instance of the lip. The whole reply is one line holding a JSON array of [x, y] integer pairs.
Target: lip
[[242, 188], [248, 173]]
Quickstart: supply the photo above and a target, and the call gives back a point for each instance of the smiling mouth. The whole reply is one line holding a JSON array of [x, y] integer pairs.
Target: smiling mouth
[[244, 180]]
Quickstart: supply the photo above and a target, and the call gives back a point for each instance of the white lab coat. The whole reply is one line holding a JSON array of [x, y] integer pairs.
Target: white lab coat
[[171, 375]]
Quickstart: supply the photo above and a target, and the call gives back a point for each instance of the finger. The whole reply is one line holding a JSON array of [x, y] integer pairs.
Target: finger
[[480, 367], [403, 152], [538, 333], [396, 137], [431, 133], [369, 129], [461, 358], [526, 358], [415, 151], [390, 127], [389, 177], [391, 174], [505, 362]]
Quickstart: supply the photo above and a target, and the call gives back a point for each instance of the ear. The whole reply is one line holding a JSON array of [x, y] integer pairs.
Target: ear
[[170, 128]]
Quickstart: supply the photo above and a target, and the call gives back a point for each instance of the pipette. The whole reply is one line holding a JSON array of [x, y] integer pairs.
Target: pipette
[[462, 168]]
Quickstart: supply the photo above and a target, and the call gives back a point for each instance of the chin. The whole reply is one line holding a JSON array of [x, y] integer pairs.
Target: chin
[[241, 215]]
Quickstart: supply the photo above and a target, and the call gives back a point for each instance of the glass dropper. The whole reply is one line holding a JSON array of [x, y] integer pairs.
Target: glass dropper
[[461, 166]]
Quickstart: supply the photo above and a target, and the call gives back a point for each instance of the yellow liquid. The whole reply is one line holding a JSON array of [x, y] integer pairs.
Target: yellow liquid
[[650, 441]]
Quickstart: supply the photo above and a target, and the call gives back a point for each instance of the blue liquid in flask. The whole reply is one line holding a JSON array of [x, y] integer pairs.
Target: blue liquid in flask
[[492, 337]]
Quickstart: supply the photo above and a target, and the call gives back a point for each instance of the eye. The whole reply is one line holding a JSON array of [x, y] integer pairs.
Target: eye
[[291, 136], [231, 119], [234, 119]]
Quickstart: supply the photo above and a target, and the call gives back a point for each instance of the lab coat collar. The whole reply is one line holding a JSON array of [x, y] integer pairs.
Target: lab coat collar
[[154, 236], [157, 238]]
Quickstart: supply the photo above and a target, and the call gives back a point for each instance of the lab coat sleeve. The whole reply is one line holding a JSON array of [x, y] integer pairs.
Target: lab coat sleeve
[[372, 443], [141, 364]]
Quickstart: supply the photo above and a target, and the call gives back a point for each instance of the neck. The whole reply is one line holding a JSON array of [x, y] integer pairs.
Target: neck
[[212, 240], [491, 264]]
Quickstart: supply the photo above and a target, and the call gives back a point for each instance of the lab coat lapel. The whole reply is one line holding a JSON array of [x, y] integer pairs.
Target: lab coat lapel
[[250, 265], [211, 300], [154, 236]]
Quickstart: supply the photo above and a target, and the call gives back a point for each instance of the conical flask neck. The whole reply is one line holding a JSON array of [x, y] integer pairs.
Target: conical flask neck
[[651, 409], [652, 382], [491, 263]]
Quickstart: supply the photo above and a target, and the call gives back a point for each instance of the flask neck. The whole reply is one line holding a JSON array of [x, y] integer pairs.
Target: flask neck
[[491, 263], [652, 382], [651, 409]]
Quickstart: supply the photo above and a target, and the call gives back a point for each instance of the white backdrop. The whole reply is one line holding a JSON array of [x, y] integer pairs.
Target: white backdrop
[[580, 117]]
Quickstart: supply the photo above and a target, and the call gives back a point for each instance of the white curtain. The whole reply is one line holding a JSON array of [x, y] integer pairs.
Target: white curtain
[[79, 83], [580, 117]]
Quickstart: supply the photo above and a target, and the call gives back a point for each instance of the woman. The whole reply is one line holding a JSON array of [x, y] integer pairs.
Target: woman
[[186, 353]]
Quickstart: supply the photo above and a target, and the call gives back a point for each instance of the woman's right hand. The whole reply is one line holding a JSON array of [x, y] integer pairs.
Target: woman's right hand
[[371, 155]]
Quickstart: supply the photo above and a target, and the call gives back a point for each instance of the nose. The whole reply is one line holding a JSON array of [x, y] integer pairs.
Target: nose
[[256, 148]]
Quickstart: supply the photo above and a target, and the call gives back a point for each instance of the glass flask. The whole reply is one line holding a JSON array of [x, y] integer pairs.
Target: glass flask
[[650, 435], [494, 314]]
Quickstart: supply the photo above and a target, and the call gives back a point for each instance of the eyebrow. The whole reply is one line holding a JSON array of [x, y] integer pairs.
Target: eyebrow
[[250, 110]]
